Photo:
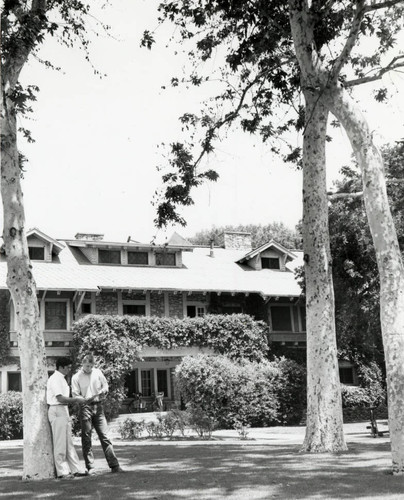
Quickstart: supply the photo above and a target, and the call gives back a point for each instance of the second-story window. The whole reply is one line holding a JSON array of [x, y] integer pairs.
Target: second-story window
[[55, 315], [165, 259], [270, 263], [109, 256], [281, 319], [139, 258], [36, 253], [134, 309]]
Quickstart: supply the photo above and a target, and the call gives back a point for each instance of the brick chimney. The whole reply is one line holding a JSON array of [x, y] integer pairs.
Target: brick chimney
[[235, 240], [89, 236]]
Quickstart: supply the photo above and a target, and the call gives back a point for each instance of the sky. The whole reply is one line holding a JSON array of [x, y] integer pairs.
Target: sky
[[98, 141]]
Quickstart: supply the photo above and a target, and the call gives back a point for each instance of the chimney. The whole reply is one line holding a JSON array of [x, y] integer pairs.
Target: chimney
[[89, 236], [235, 240], [211, 253]]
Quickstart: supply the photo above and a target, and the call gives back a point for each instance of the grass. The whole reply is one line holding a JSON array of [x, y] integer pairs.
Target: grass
[[268, 465]]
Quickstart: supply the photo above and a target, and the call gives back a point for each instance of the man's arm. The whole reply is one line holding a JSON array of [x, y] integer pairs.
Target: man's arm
[[67, 399], [76, 392]]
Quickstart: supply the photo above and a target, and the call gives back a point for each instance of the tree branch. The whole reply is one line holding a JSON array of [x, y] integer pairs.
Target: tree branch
[[332, 196], [390, 67], [382, 5], [350, 42]]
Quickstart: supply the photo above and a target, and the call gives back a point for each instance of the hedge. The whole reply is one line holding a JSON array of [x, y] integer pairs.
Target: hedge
[[242, 392], [11, 420]]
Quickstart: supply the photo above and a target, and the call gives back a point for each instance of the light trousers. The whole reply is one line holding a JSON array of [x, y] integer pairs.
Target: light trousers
[[64, 452]]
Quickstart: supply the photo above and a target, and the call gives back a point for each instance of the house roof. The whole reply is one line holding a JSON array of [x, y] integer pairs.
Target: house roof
[[199, 273], [266, 246], [57, 246]]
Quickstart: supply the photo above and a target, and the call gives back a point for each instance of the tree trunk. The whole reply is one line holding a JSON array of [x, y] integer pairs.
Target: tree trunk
[[38, 455], [389, 261], [324, 430]]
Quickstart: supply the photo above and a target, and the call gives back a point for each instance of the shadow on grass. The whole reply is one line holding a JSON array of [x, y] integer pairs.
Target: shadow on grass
[[206, 471]]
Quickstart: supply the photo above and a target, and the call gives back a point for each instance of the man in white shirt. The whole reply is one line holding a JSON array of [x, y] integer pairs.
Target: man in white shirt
[[66, 460], [89, 382]]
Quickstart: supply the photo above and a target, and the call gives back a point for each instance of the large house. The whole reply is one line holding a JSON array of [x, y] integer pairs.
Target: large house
[[88, 275]]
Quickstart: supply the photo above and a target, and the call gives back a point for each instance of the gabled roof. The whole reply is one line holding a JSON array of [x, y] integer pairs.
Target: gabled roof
[[270, 244], [56, 245], [177, 240]]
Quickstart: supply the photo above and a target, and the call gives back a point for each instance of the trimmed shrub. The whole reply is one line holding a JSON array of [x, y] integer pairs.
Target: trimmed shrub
[[11, 420], [370, 391], [290, 390], [229, 392]]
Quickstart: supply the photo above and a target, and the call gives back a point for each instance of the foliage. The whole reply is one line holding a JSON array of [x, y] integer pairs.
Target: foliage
[[114, 349], [355, 273], [259, 234], [253, 51], [117, 341], [131, 429], [11, 420], [229, 391], [202, 422], [370, 392], [4, 344], [291, 391]]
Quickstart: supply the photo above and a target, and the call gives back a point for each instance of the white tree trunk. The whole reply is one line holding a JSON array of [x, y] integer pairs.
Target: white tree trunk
[[38, 455], [389, 261], [324, 428]]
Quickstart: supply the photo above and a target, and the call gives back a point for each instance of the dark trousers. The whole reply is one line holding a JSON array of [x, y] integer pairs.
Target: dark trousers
[[93, 416]]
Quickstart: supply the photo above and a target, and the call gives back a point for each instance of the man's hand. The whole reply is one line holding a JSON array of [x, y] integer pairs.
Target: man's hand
[[80, 400]]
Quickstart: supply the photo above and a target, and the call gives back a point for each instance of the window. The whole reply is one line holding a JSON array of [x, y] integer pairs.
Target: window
[[303, 318], [131, 383], [36, 253], [231, 309], [134, 309], [194, 311], [146, 381], [14, 382], [346, 375], [162, 382], [55, 315], [270, 263], [281, 319], [86, 308], [109, 256], [165, 259], [139, 258]]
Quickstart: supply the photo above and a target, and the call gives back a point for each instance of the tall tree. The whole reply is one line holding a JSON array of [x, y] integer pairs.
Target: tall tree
[[274, 51], [24, 27]]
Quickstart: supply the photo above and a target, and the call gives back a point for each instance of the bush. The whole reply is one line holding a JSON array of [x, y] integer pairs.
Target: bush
[[11, 419], [370, 391], [229, 392], [354, 396], [290, 390], [130, 429]]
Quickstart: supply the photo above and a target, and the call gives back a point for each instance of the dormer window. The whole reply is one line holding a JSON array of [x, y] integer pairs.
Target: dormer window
[[36, 253], [270, 263], [138, 258], [165, 259], [109, 256]]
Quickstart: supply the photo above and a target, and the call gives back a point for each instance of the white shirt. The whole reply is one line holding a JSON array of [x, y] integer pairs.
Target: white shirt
[[56, 386], [88, 385]]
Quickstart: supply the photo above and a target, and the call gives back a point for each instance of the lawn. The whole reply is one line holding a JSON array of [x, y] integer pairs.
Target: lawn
[[265, 466]]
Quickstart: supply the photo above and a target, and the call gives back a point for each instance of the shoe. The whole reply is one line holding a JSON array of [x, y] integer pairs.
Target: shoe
[[66, 476], [117, 470], [91, 472], [80, 474]]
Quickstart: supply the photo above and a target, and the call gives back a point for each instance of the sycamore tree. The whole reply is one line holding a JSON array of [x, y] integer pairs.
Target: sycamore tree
[[273, 54], [25, 25]]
